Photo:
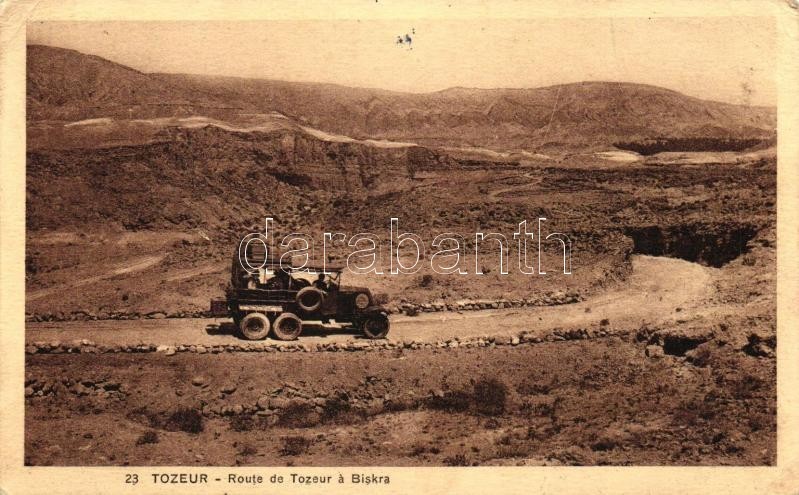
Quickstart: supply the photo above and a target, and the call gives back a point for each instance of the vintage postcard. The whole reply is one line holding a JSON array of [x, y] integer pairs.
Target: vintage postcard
[[383, 246]]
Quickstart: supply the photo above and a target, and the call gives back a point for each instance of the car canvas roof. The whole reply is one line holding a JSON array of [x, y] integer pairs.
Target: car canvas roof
[[326, 268]]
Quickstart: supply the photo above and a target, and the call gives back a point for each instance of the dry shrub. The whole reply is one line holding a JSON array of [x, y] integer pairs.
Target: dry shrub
[[185, 419], [145, 416], [149, 436], [512, 451], [700, 357], [456, 460], [604, 444], [241, 422], [247, 450], [295, 445], [451, 401], [298, 415], [693, 411], [490, 396], [747, 386]]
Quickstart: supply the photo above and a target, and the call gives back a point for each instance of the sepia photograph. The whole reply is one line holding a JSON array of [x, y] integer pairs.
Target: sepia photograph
[[388, 242]]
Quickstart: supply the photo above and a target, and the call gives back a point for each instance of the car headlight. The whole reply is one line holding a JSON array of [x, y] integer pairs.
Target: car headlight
[[361, 301]]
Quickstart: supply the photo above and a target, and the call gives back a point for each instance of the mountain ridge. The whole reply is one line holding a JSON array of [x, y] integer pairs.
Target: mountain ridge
[[65, 84]]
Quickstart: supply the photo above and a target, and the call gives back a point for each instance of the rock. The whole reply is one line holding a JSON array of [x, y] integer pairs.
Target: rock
[[678, 341], [201, 349], [514, 341], [375, 407], [760, 345], [654, 351], [80, 389], [170, 351], [28, 391], [229, 389], [263, 402], [197, 381], [278, 403]]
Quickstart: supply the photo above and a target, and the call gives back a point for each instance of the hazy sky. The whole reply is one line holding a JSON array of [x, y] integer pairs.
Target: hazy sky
[[727, 59]]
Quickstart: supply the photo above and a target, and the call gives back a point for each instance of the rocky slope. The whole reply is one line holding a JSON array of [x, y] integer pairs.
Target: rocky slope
[[186, 176]]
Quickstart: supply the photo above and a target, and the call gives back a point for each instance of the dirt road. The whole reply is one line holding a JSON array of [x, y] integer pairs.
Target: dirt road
[[653, 293]]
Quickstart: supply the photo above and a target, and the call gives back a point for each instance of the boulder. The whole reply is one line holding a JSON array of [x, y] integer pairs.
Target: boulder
[[278, 402]]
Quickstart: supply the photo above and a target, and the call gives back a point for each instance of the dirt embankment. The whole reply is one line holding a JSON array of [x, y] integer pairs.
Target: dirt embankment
[[571, 402]]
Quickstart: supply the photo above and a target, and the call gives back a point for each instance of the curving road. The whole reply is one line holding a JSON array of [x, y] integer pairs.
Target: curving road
[[653, 293]]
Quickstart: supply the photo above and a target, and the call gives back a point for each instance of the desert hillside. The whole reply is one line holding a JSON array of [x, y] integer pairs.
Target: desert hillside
[[139, 185], [67, 85]]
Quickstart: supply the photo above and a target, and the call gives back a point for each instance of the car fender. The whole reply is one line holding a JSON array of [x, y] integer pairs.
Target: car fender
[[375, 310]]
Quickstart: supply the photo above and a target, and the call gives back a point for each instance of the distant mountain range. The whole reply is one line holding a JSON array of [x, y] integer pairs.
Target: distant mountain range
[[67, 85]]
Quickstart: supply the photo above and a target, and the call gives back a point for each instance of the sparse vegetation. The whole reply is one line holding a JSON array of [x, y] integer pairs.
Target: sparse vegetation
[[185, 419], [295, 445], [149, 436], [247, 449], [241, 422], [490, 396], [659, 145], [456, 460], [451, 401]]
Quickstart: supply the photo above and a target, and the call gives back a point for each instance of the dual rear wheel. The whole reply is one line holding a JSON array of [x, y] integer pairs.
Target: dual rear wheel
[[256, 326]]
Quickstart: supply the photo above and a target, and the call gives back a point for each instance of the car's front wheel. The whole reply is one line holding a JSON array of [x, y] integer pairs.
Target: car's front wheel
[[375, 326]]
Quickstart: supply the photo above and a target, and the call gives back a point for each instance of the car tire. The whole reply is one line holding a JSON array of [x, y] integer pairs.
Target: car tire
[[287, 326], [309, 299], [255, 326], [375, 326]]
